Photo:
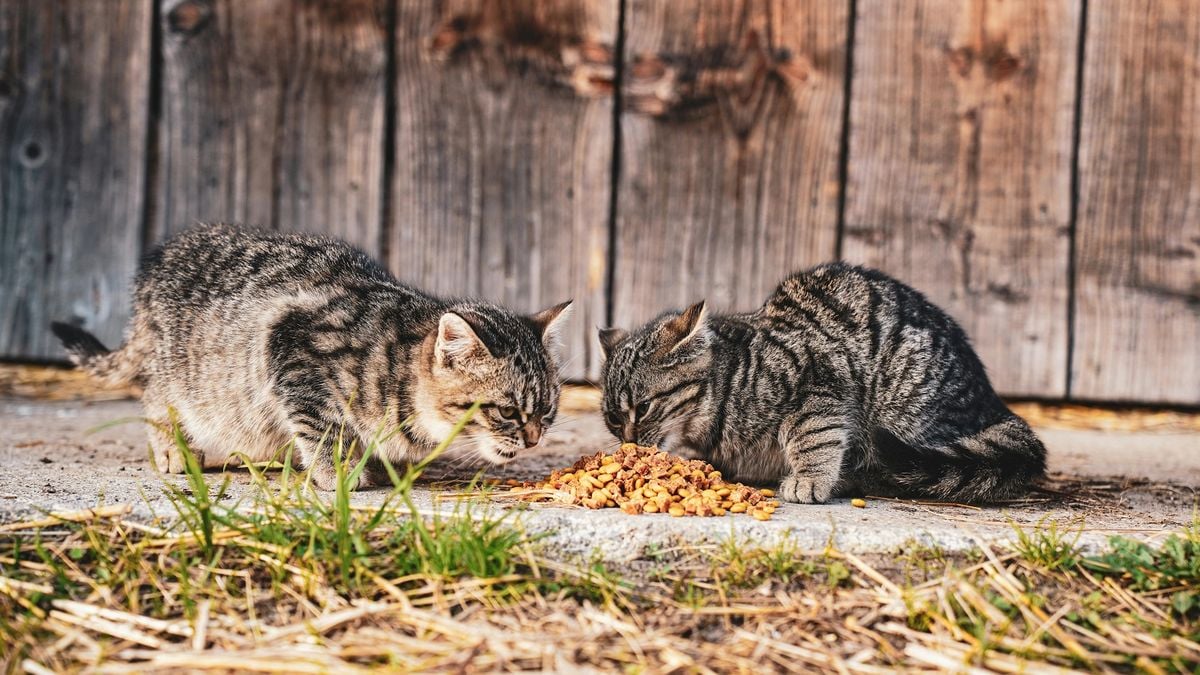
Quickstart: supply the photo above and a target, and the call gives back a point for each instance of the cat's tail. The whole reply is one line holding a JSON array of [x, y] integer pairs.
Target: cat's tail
[[1000, 462], [120, 367]]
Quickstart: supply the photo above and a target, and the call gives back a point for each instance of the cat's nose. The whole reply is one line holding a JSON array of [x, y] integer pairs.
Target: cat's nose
[[628, 433], [531, 434]]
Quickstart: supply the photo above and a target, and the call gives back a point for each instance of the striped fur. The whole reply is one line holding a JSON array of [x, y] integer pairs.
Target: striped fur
[[844, 380], [258, 339]]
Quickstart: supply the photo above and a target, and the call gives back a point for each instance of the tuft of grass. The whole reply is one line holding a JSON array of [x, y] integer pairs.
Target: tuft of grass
[[1172, 567], [1048, 546], [741, 565]]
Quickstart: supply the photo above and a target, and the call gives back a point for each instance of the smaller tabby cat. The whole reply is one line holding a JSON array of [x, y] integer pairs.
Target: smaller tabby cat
[[257, 339], [845, 380]]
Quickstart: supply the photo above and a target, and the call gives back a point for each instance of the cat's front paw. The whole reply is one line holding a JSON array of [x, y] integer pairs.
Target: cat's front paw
[[169, 459], [805, 490], [324, 477]]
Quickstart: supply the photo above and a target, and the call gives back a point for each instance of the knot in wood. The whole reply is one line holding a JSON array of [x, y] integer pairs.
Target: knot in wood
[[997, 61], [32, 154], [741, 74], [189, 17]]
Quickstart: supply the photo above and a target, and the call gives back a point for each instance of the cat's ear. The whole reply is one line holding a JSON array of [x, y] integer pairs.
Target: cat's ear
[[610, 338], [456, 341], [549, 322], [685, 331]]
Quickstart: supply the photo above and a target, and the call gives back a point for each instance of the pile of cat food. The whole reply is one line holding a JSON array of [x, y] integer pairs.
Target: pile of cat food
[[639, 479]]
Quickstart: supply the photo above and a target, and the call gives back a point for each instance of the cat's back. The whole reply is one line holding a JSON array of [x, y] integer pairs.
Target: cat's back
[[829, 298], [839, 297], [210, 263]]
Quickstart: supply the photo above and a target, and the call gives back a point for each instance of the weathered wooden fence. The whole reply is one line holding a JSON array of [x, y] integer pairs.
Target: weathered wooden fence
[[1033, 165]]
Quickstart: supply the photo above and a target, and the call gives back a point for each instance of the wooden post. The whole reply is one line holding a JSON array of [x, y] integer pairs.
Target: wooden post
[[959, 178], [504, 130], [1137, 312], [73, 84], [273, 115], [730, 133]]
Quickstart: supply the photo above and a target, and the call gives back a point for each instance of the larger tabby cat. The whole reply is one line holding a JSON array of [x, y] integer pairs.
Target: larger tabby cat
[[257, 339], [845, 378]]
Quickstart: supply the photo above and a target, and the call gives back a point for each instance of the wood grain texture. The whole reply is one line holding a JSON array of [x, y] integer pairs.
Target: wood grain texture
[[73, 111], [959, 177], [273, 115], [1137, 314], [730, 133], [504, 136]]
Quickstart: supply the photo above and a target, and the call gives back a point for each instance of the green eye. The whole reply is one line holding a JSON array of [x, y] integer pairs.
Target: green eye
[[508, 412]]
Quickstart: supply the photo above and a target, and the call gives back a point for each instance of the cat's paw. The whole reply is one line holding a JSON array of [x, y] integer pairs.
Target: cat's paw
[[375, 476], [805, 490], [324, 477], [168, 458]]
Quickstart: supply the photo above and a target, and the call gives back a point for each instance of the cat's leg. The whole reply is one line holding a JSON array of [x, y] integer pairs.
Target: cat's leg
[[815, 441], [316, 425], [161, 435]]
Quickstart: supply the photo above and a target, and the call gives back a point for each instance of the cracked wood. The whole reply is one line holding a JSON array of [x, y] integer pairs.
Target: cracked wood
[[273, 115], [730, 134], [503, 152], [1137, 319], [959, 178], [73, 116]]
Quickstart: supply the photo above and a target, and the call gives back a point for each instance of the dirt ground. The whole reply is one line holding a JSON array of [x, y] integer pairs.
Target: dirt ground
[[1110, 474]]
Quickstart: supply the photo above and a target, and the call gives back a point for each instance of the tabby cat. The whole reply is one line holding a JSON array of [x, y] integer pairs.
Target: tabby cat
[[844, 380], [256, 339]]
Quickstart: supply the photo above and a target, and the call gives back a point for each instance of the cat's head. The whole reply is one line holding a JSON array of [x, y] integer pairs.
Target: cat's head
[[506, 362], [654, 378]]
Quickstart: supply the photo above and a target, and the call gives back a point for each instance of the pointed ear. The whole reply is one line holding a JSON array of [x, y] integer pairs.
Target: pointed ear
[[549, 322], [610, 338], [456, 340], [685, 329]]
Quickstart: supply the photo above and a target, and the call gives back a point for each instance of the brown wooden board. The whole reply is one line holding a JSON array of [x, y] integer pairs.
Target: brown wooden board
[[503, 155], [730, 131], [1137, 312], [273, 114], [73, 111], [959, 176]]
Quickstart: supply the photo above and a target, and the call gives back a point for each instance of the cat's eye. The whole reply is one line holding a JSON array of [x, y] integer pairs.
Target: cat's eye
[[614, 420], [643, 408], [509, 413]]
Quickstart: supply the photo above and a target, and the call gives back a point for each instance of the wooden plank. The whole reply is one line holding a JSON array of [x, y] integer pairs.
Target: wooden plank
[[730, 132], [73, 84], [1137, 316], [503, 155], [959, 176], [273, 114]]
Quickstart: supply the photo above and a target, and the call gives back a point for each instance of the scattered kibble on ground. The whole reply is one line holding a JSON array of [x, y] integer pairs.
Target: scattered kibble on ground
[[639, 479]]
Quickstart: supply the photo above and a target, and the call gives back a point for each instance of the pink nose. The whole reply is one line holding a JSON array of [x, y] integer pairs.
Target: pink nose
[[532, 434]]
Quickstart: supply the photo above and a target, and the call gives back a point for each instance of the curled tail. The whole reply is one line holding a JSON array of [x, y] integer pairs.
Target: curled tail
[[999, 462], [119, 367]]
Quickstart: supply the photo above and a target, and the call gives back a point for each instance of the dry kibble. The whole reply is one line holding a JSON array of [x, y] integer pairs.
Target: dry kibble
[[639, 479], [858, 503]]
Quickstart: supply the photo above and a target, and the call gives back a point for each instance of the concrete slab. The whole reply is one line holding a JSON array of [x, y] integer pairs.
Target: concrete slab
[[1132, 483]]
